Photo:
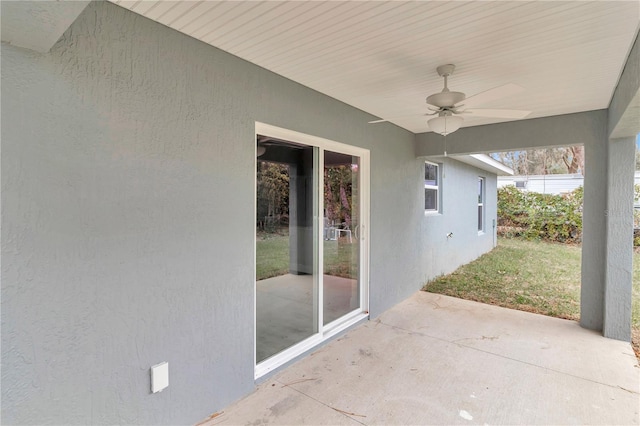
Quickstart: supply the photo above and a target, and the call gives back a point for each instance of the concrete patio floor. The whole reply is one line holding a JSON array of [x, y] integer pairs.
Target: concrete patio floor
[[434, 359]]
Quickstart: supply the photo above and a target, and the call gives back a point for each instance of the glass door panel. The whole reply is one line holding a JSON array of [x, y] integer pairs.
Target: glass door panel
[[341, 259], [286, 245]]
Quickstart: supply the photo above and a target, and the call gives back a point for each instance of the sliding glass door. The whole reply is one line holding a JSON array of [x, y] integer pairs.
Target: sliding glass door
[[341, 255], [311, 245], [286, 266]]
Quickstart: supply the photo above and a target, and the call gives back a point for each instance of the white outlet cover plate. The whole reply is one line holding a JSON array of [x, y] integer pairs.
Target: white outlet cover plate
[[159, 377]]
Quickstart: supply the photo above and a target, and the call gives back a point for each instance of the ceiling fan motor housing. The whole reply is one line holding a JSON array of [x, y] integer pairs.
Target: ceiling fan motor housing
[[445, 99]]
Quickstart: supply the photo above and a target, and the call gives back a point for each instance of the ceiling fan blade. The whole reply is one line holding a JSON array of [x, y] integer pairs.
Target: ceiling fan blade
[[396, 118], [497, 113], [492, 94]]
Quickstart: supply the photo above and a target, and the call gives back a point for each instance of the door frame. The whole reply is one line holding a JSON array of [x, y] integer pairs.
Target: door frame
[[325, 332]]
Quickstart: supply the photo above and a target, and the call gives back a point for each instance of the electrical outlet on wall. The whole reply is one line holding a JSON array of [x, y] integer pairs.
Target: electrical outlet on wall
[[159, 377]]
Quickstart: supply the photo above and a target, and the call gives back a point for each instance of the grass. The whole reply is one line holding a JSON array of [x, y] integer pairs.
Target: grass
[[531, 276], [272, 256], [341, 258]]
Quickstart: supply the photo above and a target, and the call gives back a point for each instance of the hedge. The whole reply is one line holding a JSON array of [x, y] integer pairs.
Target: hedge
[[535, 216]]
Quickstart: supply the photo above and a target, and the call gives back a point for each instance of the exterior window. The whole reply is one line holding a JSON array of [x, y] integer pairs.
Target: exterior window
[[520, 184], [480, 204], [431, 187]]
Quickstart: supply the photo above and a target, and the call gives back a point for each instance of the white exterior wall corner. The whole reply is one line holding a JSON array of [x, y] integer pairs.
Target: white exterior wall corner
[[128, 173]]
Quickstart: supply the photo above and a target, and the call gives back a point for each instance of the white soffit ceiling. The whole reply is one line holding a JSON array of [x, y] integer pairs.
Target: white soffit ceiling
[[381, 56]]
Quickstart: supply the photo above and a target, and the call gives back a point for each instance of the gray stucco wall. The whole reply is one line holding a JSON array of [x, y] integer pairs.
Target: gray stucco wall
[[594, 228], [619, 216], [128, 219], [442, 255]]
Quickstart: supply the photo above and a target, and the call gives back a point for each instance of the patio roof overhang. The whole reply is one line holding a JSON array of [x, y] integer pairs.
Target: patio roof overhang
[[381, 57]]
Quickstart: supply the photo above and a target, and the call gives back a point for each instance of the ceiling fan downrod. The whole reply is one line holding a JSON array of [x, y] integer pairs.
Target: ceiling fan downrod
[[445, 71], [445, 99]]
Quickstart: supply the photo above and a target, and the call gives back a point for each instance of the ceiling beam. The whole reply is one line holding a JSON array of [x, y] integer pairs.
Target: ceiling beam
[[582, 128]]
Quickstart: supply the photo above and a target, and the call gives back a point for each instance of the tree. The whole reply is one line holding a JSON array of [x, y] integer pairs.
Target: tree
[[338, 193], [544, 161], [573, 158], [272, 190]]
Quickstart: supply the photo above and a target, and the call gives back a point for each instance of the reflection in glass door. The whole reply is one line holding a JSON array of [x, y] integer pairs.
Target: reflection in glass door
[[341, 254], [286, 277]]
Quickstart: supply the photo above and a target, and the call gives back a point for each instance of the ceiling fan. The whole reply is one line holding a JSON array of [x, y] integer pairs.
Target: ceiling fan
[[447, 106]]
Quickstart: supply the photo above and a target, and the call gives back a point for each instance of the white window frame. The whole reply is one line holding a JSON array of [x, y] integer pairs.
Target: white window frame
[[482, 183], [437, 188]]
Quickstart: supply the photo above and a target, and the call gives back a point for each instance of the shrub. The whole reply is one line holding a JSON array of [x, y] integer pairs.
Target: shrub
[[531, 215]]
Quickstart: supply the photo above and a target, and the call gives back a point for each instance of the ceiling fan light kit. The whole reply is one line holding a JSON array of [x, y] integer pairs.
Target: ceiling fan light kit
[[445, 123]]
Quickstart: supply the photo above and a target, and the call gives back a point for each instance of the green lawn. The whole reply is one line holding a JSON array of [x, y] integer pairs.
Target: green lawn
[[531, 276], [272, 256]]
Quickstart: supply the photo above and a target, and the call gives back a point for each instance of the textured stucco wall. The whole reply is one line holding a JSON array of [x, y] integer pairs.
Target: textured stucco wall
[[37, 25], [128, 219], [623, 127], [432, 254], [619, 272], [594, 228]]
